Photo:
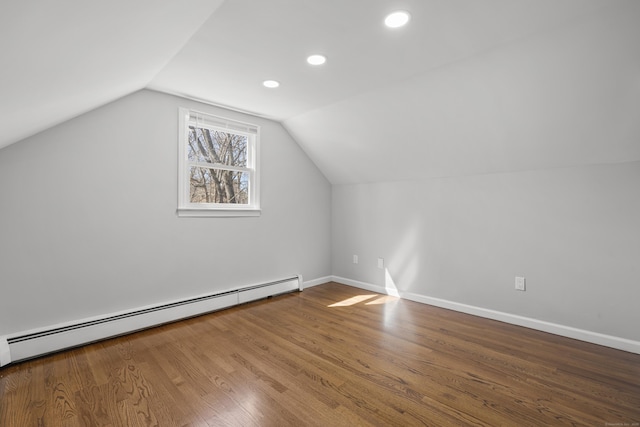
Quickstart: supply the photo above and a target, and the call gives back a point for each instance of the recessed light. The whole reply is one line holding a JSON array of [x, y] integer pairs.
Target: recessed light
[[317, 59], [271, 84], [397, 19]]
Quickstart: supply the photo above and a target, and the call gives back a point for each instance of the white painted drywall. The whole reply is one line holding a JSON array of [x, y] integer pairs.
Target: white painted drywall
[[574, 233], [63, 58], [88, 220], [569, 96]]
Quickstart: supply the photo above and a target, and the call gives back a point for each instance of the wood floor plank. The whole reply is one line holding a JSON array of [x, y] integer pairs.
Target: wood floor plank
[[329, 356]]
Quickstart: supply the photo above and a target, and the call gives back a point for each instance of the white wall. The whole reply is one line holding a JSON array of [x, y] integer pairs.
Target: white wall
[[574, 233], [522, 160], [88, 219]]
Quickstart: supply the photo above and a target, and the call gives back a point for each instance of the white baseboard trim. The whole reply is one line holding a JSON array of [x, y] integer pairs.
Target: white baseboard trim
[[527, 322], [366, 286], [318, 281]]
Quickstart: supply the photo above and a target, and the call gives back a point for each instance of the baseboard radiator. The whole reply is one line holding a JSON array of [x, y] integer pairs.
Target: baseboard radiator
[[35, 343]]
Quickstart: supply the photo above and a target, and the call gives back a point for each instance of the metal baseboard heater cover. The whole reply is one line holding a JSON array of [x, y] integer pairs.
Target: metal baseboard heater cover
[[34, 343]]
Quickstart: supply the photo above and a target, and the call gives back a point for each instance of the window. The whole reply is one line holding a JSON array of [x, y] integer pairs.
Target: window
[[218, 166]]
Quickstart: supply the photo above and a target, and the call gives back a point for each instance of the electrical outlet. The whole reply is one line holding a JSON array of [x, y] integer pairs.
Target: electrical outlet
[[355, 259], [380, 262], [520, 284]]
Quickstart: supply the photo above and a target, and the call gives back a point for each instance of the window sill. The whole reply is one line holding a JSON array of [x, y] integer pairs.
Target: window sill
[[205, 213]]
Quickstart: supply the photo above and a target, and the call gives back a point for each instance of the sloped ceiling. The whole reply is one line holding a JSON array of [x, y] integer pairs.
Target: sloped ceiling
[[62, 58], [467, 87]]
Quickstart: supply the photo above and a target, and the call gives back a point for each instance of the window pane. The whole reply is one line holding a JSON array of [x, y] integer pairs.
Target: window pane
[[218, 186], [193, 150], [212, 146]]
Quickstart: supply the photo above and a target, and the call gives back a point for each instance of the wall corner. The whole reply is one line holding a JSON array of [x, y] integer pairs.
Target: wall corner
[[5, 352]]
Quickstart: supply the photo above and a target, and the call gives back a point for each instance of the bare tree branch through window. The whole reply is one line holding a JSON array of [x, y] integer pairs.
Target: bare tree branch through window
[[218, 163]]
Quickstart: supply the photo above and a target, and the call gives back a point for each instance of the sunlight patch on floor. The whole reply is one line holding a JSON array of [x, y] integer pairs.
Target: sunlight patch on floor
[[353, 300], [382, 300], [379, 299]]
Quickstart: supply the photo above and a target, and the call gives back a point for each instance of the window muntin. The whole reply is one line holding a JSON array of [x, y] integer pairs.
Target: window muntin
[[218, 166]]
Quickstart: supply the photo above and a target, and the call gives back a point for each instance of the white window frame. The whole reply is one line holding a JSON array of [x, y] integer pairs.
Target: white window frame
[[188, 209]]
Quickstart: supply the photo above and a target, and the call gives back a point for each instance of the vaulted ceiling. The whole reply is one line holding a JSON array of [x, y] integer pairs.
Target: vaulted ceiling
[[469, 86]]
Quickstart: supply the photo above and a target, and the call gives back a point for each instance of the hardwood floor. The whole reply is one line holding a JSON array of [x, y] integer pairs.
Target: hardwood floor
[[329, 356]]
